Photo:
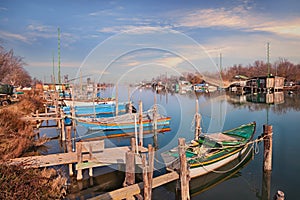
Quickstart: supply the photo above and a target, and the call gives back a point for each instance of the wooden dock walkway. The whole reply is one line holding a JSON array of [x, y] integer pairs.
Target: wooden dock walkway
[[114, 155], [129, 191]]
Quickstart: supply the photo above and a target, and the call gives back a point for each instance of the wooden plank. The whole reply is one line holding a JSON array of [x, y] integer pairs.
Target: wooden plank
[[45, 160], [114, 155], [131, 190], [97, 145]]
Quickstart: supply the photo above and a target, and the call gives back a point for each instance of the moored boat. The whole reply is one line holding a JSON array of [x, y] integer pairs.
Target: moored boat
[[212, 151], [69, 102], [125, 121], [97, 109]]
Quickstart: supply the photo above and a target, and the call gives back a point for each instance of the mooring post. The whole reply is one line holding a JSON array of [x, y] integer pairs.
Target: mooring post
[[145, 178], [184, 172], [90, 158], [58, 121], [268, 131], [155, 114], [279, 195], [150, 169], [130, 169], [46, 112], [63, 132], [69, 148], [197, 122], [141, 123], [79, 159], [117, 101], [132, 144]]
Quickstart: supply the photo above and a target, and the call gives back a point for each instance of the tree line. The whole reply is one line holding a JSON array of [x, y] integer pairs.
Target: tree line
[[282, 67], [12, 69]]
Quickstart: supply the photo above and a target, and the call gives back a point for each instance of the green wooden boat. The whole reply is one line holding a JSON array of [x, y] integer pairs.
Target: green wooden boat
[[212, 151]]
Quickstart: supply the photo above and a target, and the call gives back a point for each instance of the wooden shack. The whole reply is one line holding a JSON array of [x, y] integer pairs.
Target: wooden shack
[[265, 84]]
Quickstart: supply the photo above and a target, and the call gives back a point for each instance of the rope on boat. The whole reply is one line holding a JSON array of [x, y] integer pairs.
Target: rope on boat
[[254, 148], [226, 171]]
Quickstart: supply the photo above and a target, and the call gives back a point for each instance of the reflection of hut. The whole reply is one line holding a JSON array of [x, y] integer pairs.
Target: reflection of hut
[[269, 98], [265, 83]]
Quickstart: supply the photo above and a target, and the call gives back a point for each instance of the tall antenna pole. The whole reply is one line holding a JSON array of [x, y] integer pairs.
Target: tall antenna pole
[[59, 78], [268, 58], [53, 74], [221, 62]]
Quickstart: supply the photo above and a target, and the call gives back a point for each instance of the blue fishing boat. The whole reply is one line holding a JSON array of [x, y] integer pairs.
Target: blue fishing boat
[[96, 110], [125, 121]]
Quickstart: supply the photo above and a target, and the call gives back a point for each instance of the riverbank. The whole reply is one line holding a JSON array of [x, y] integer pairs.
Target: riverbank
[[17, 137]]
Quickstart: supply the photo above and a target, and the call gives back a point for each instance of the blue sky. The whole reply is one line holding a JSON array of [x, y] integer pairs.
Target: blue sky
[[134, 40]]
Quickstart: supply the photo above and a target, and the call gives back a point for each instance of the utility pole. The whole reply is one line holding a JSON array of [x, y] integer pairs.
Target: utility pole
[[53, 73], [268, 58], [59, 77]]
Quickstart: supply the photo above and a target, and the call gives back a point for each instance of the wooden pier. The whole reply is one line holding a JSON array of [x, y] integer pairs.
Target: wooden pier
[[88, 155]]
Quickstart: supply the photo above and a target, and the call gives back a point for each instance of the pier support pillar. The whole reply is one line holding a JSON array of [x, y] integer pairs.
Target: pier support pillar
[[130, 169], [79, 159], [268, 144], [184, 171]]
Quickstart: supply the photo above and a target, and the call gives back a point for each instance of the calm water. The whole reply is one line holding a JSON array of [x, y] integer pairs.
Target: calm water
[[219, 111]]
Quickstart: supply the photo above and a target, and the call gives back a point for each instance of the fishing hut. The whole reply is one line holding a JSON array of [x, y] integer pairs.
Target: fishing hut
[[265, 84]]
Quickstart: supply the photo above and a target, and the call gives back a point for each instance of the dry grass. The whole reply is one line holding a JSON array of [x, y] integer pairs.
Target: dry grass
[[16, 137], [19, 183]]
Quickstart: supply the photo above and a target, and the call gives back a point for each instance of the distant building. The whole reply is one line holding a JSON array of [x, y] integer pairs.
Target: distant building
[[265, 84]]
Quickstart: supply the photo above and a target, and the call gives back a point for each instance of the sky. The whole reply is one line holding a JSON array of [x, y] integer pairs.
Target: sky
[[134, 40]]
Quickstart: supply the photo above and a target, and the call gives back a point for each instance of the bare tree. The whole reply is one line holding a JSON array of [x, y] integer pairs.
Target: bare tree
[[11, 69]]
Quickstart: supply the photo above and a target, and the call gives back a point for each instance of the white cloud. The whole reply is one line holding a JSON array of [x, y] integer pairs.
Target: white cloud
[[241, 18], [132, 29], [13, 36], [284, 28]]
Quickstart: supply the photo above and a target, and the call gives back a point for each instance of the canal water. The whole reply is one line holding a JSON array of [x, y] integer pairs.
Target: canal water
[[219, 111]]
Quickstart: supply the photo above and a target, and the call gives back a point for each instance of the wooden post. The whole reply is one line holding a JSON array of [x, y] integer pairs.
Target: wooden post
[[141, 123], [154, 115], [79, 159], [130, 107], [148, 172], [145, 178], [266, 185], [268, 131], [90, 158], [279, 195], [150, 169], [69, 148], [117, 102], [130, 169], [197, 122], [46, 112], [132, 144], [184, 173], [63, 132], [58, 120], [69, 133]]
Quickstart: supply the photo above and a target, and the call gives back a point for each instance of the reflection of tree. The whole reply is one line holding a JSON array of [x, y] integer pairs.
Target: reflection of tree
[[291, 103]]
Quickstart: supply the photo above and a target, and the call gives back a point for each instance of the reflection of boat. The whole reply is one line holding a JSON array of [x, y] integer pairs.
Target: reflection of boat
[[103, 134], [212, 151], [126, 121], [210, 180], [230, 170]]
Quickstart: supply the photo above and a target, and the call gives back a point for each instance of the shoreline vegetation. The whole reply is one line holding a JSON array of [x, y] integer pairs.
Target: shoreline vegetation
[[17, 137]]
